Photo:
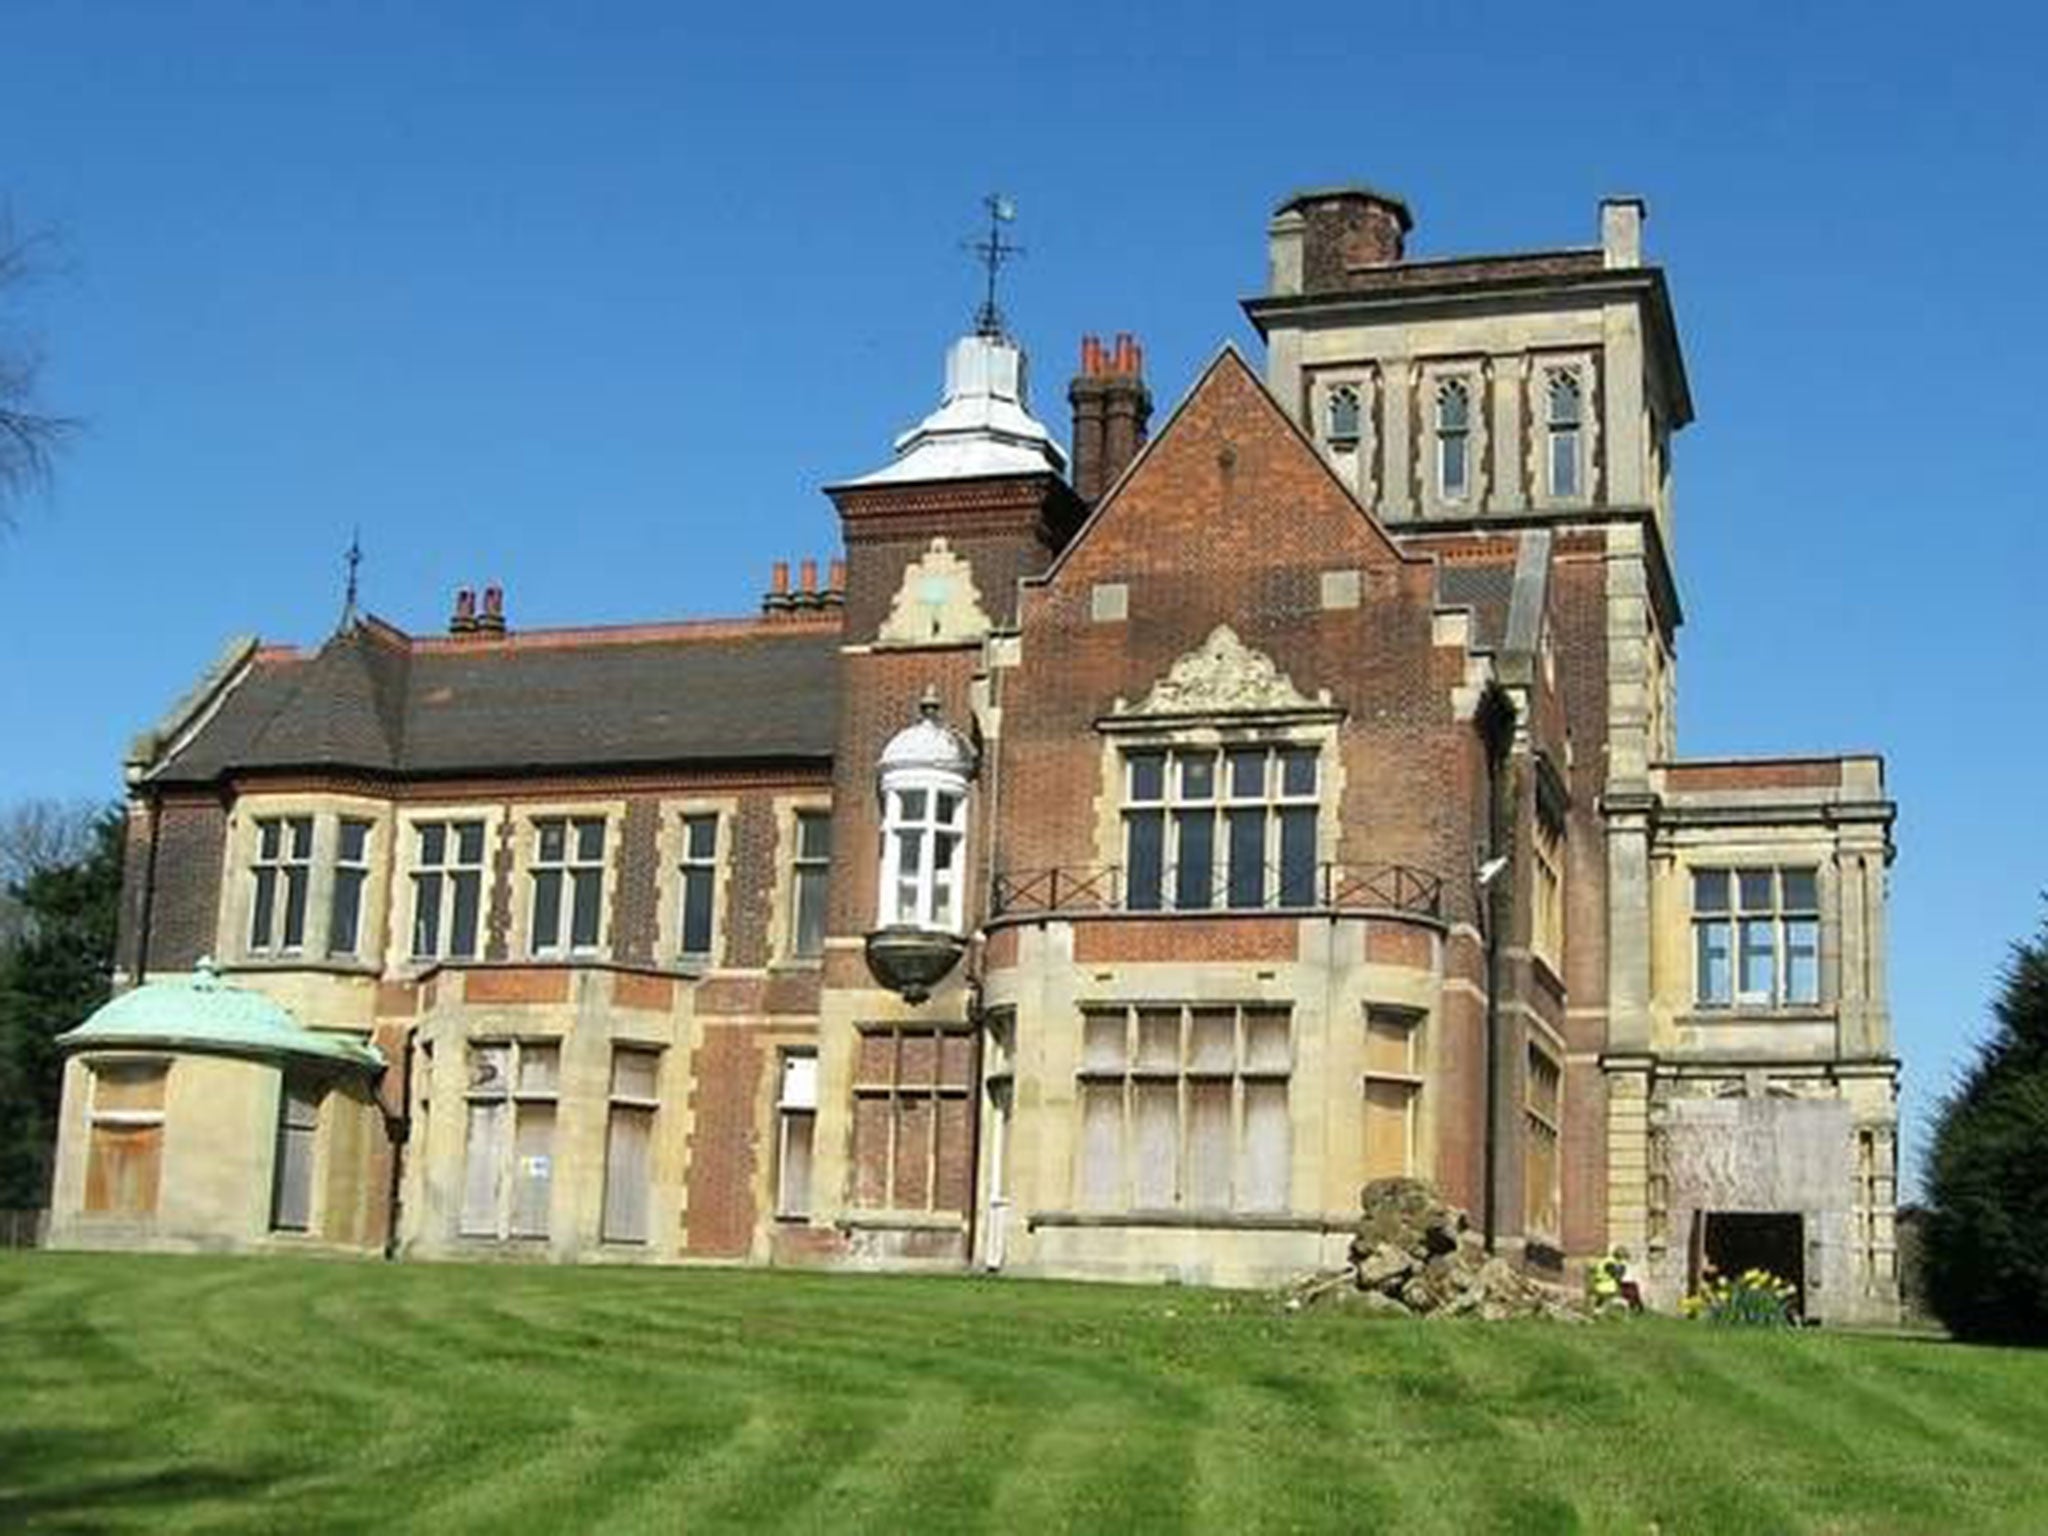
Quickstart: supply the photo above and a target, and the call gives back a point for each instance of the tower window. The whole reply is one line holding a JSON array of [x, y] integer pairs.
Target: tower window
[[1566, 420], [1453, 439], [1343, 416]]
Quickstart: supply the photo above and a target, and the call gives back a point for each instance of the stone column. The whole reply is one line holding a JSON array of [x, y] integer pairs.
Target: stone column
[[1397, 450], [1507, 490]]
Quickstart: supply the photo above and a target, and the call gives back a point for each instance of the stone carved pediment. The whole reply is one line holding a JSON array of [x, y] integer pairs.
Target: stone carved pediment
[[937, 602], [1224, 676]]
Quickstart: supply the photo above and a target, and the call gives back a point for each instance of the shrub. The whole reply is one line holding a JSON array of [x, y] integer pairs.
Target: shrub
[[1987, 1227]]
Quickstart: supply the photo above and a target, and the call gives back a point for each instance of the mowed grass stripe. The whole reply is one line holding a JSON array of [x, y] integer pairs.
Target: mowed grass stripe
[[161, 1394]]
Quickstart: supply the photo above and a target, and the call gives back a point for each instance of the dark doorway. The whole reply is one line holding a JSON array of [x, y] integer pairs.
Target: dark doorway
[[1734, 1241]]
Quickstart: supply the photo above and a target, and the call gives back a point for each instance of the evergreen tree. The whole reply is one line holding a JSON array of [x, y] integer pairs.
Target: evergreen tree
[[1987, 1234], [53, 972]]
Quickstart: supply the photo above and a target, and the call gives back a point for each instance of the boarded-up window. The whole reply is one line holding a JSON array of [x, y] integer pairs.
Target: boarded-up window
[[1543, 1107], [124, 1159], [509, 1163], [1185, 1108], [629, 1144], [1393, 1085], [796, 1114], [298, 1124], [912, 1120]]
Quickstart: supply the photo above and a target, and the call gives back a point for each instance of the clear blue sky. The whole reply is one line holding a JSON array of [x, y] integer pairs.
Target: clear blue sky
[[590, 300]]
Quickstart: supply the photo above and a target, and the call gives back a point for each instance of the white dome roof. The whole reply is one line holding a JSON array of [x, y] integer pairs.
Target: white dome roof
[[983, 425], [930, 745]]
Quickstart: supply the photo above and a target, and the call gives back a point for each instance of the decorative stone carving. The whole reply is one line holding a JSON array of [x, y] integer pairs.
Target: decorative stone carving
[[937, 603], [1224, 676]]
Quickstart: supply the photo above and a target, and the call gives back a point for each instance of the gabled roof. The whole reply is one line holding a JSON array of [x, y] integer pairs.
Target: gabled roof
[[1226, 369], [374, 700]]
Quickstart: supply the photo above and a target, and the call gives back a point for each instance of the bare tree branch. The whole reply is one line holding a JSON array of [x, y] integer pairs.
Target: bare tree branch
[[29, 435]]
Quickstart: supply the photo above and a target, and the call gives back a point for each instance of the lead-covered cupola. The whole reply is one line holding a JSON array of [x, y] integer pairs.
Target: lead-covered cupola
[[983, 425]]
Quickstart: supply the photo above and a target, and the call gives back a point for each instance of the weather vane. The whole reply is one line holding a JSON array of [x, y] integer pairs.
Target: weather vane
[[993, 252], [354, 559]]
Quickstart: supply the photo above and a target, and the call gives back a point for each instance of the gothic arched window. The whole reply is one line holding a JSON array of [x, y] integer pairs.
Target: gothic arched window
[[1453, 439], [1565, 419], [1343, 415]]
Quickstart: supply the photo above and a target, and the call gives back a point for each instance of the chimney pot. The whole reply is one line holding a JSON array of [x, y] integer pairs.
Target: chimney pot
[[463, 620], [1621, 231], [836, 582], [492, 620], [778, 577], [1111, 410]]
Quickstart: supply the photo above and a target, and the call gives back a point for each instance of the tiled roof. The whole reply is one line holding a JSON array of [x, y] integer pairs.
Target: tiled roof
[[372, 700]]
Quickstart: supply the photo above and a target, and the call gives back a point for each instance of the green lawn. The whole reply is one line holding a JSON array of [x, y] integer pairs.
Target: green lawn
[[167, 1394]]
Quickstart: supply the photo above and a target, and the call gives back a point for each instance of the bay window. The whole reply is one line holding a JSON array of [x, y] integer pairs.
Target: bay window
[[1234, 827], [1756, 937]]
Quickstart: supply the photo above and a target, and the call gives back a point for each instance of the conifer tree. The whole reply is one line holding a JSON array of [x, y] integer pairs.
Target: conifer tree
[[53, 973], [1987, 1235]]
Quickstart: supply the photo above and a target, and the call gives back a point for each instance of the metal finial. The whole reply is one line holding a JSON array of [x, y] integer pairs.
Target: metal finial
[[994, 252], [354, 559]]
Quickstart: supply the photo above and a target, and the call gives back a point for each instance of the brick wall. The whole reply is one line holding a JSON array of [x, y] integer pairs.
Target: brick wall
[[725, 1083], [185, 910], [635, 938], [1233, 519]]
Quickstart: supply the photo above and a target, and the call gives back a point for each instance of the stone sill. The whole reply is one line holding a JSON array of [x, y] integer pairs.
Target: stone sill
[[1211, 1221], [900, 1221]]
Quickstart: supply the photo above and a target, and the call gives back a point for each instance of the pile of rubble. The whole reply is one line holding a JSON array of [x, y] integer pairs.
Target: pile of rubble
[[1415, 1256]]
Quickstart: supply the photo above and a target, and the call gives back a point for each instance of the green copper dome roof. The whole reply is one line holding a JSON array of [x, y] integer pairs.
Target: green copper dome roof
[[200, 1012]]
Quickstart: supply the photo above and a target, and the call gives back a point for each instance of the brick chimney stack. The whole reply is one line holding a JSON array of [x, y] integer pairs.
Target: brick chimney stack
[[1318, 239], [1112, 409], [781, 602]]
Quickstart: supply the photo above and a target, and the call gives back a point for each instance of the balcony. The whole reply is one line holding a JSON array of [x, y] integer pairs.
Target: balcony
[[1079, 889]]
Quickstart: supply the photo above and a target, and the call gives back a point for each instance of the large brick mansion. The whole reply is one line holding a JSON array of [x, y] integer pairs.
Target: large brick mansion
[[1103, 870]]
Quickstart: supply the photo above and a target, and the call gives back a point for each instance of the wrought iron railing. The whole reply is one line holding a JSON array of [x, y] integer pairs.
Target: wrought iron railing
[[1110, 888]]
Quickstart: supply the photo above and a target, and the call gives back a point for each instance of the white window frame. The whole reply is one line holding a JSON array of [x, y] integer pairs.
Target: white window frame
[[572, 869], [1734, 920], [796, 1115], [447, 871], [928, 906]]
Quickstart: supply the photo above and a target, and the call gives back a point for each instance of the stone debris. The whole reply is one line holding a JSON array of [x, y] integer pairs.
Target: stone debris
[[1415, 1256]]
